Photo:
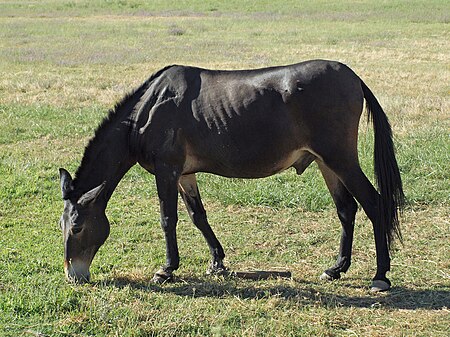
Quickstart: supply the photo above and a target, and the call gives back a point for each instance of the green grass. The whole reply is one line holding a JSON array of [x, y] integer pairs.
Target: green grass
[[63, 64]]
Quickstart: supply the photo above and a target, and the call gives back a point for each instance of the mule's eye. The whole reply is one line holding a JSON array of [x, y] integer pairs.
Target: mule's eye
[[76, 229]]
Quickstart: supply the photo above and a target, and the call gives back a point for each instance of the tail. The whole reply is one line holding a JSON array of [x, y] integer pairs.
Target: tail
[[387, 173]]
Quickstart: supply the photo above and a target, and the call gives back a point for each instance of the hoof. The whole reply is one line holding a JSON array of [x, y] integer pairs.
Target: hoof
[[379, 285], [217, 268], [217, 271], [327, 277], [162, 276]]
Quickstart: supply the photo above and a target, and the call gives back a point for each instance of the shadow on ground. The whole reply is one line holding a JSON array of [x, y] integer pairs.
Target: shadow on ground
[[301, 293]]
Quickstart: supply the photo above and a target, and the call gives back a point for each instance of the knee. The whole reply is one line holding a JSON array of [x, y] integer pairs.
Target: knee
[[169, 223]]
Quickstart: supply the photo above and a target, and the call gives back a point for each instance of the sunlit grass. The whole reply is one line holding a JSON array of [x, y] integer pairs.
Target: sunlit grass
[[63, 64]]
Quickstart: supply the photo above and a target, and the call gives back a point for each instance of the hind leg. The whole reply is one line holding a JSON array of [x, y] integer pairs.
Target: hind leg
[[350, 174], [189, 192], [346, 209]]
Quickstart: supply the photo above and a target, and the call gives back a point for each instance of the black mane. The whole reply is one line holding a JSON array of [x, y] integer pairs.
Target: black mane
[[113, 116]]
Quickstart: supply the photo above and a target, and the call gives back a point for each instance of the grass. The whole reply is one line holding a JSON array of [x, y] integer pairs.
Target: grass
[[65, 63]]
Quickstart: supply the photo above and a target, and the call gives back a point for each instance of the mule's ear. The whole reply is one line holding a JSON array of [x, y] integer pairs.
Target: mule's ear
[[66, 182], [92, 195]]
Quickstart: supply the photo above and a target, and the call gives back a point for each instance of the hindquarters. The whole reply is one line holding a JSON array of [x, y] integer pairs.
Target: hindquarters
[[335, 116], [329, 108], [336, 143]]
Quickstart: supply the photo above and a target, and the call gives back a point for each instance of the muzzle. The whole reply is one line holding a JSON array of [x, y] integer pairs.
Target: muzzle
[[77, 271]]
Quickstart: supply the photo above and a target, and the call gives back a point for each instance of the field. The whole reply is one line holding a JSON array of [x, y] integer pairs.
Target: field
[[63, 64]]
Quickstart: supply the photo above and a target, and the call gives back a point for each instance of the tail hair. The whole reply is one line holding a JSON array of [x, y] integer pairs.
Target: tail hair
[[387, 173]]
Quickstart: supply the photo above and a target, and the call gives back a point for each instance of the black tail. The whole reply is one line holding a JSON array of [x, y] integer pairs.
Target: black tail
[[386, 169]]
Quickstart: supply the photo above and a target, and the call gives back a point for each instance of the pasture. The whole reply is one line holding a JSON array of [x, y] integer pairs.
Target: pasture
[[63, 64]]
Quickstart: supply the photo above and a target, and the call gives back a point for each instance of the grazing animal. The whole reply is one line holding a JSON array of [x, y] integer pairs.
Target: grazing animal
[[243, 124]]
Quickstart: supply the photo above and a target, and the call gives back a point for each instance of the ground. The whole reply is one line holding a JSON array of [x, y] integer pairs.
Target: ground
[[63, 64]]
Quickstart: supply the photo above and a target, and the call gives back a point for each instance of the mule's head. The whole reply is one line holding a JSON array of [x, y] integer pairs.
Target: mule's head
[[84, 226]]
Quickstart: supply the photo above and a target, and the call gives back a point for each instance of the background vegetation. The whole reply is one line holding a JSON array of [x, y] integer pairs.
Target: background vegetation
[[63, 64]]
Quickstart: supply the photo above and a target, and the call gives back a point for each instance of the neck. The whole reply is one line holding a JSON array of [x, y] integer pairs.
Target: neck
[[108, 157], [106, 160]]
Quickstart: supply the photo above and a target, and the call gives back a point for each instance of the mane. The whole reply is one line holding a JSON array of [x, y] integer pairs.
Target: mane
[[114, 115]]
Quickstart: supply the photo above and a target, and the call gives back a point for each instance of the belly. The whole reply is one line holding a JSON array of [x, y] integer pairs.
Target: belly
[[244, 166]]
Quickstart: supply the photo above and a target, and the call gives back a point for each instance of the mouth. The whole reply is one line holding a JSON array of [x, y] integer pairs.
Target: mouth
[[77, 271]]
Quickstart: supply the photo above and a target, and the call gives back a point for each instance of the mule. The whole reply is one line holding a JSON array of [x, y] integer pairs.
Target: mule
[[243, 124]]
